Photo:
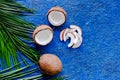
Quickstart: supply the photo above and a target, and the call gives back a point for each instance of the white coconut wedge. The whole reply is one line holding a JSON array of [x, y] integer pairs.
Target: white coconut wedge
[[71, 30], [65, 37], [74, 33], [78, 29], [76, 39], [72, 39], [78, 42], [43, 35], [61, 35], [56, 16]]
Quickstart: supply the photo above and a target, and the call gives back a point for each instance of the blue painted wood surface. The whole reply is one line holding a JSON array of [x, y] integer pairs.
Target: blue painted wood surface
[[98, 58]]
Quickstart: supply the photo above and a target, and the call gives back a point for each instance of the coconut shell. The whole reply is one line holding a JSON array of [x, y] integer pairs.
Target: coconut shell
[[50, 64], [41, 27], [57, 8]]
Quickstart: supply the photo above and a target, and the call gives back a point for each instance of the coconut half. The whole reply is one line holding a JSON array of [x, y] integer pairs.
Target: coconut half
[[56, 16], [43, 35]]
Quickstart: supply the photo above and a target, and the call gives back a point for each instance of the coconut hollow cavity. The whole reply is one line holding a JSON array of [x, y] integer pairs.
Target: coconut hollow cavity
[[74, 33], [56, 16], [43, 35]]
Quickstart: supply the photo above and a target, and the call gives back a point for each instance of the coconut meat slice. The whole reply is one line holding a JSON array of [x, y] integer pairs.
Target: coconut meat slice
[[79, 41], [61, 35], [56, 18], [43, 37], [76, 39], [72, 38], [65, 37], [78, 29], [71, 30]]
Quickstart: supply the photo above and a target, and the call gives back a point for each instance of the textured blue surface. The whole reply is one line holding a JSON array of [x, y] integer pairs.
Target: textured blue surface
[[98, 58]]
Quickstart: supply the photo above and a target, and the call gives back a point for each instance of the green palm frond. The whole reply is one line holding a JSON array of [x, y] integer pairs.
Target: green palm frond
[[18, 74], [9, 74], [14, 31]]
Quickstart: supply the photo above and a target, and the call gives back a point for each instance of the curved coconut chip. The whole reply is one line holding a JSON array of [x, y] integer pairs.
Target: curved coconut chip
[[78, 29], [61, 34], [79, 41], [43, 35], [65, 34], [72, 39], [75, 35], [71, 30], [76, 39]]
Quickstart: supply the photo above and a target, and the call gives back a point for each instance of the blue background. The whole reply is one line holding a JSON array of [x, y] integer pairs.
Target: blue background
[[98, 58]]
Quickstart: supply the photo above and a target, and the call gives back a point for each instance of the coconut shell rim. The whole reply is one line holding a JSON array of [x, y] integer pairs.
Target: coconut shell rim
[[38, 29], [59, 9]]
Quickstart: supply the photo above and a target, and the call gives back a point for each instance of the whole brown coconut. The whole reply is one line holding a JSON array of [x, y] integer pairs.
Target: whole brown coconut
[[50, 64]]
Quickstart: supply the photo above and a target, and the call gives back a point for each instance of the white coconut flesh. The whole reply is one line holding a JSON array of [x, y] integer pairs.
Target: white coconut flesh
[[56, 18], [76, 38], [43, 37], [61, 35], [72, 39], [79, 41], [74, 33], [72, 30], [68, 31], [65, 37], [78, 29]]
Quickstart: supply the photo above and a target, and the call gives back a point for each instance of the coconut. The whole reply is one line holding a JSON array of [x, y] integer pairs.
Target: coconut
[[43, 35], [50, 64], [56, 16]]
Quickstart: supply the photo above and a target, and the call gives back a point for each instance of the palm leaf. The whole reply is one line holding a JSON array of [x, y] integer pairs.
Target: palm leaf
[[14, 31], [9, 74]]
